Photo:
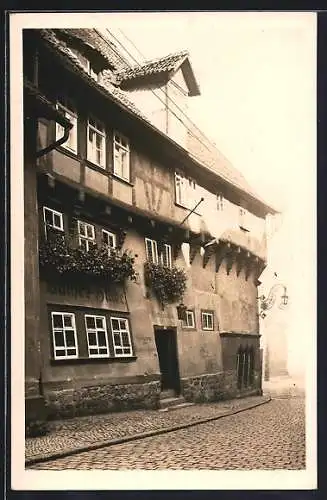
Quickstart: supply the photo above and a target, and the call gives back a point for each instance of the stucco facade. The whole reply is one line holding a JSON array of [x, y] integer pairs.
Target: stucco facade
[[203, 358]]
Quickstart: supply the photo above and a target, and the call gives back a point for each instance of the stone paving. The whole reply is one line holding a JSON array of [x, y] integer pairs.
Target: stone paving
[[269, 436], [75, 434]]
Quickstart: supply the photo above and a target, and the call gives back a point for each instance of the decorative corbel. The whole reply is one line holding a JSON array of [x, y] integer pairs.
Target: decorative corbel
[[176, 249], [208, 251], [251, 265], [221, 252], [194, 248], [240, 260], [230, 259]]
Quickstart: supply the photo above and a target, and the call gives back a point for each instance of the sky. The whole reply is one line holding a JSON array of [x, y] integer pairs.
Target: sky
[[257, 79]]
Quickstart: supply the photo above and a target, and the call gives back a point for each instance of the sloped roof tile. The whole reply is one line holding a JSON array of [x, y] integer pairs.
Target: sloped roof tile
[[159, 65]]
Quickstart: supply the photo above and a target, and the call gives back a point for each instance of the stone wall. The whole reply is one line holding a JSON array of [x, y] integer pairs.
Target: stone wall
[[102, 399], [216, 387]]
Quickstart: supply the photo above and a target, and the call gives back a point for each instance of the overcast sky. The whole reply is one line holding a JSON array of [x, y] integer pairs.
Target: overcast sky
[[256, 73]]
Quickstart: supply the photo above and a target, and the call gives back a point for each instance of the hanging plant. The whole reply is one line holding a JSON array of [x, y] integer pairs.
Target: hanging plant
[[168, 284], [58, 255]]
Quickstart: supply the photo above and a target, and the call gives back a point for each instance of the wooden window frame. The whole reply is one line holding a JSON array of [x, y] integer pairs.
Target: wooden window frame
[[114, 332], [185, 323], [96, 330], [63, 329], [98, 129], [207, 313]]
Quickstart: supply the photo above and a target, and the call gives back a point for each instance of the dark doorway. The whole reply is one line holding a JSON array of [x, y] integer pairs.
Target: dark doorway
[[166, 342]]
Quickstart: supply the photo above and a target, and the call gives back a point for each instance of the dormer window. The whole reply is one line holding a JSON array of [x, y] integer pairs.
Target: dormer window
[[70, 113], [87, 65]]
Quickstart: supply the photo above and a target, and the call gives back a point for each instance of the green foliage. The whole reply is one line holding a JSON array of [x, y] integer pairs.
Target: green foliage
[[168, 284], [58, 255]]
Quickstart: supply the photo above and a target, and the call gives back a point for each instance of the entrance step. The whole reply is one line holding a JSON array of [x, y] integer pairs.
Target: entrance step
[[173, 403], [168, 393]]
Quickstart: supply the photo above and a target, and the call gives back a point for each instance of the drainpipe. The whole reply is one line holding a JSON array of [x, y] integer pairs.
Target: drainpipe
[[54, 145]]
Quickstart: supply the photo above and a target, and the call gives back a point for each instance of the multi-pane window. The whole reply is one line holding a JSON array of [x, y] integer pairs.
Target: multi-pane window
[[96, 143], [185, 191], [189, 320], [52, 219], [207, 320], [151, 251], [121, 337], [153, 255], [96, 332], [86, 63], [86, 235], [121, 157], [165, 256], [71, 143], [109, 240], [64, 335]]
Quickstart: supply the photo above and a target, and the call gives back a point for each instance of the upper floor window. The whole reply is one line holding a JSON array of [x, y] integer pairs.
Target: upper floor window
[[121, 157], [86, 235], [207, 320], [96, 143], [244, 219], [185, 191], [109, 240], [163, 257], [52, 219], [69, 112], [220, 202]]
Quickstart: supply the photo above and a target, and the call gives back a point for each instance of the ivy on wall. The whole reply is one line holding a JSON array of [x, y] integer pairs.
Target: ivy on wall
[[167, 284]]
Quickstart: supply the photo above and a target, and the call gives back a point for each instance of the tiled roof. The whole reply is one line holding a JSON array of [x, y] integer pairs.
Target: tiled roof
[[155, 66], [206, 154], [96, 41], [200, 148], [114, 92]]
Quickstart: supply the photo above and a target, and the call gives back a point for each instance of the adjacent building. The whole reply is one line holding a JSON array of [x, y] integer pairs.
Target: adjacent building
[[142, 251]]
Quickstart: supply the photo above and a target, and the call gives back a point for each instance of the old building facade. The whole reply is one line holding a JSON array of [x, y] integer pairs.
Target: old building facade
[[141, 259]]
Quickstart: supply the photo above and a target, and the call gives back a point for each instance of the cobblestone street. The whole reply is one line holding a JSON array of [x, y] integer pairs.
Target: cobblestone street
[[271, 436]]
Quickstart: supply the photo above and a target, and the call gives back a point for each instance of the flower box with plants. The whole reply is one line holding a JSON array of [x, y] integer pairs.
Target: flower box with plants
[[168, 284], [60, 256]]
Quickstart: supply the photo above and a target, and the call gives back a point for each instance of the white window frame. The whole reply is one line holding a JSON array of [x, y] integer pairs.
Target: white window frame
[[71, 143], [88, 239], [117, 143], [110, 235], [62, 330], [154, 249], [53, 225], [96, 330], [185, 191], [120, 331], [166, 252], [98, 129], [186, 324], [204, 320]]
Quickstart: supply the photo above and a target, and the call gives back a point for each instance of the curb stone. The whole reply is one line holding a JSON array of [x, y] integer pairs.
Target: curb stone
[[133, 437]]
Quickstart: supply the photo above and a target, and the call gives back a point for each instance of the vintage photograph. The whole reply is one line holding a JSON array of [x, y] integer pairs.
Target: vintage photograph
[[168, 178]]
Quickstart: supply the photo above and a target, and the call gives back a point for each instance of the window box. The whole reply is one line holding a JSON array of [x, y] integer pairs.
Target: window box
[[207, 320], [168, 284]]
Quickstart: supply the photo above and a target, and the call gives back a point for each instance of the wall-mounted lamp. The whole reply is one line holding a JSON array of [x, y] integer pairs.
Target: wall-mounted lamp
[[267, 302], [181, 311]]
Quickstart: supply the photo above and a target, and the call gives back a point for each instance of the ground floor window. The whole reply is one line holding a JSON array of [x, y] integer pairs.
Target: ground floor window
[[245, 367], [89, 333]]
